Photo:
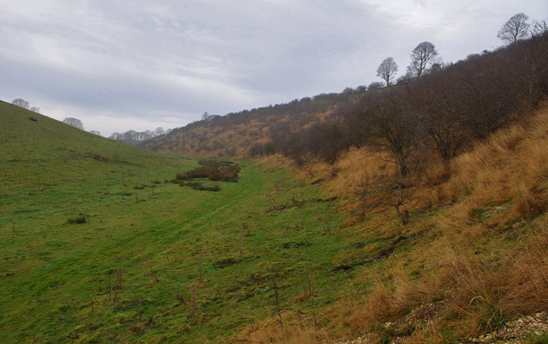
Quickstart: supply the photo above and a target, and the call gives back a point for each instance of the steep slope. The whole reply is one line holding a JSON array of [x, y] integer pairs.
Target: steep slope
[[469, 260]]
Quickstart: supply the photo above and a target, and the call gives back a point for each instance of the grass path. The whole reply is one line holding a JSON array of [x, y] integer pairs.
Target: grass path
[[154, 262], [223, 247]]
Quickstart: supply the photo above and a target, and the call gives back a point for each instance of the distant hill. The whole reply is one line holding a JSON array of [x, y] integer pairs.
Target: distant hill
[[37, 147], [237, 133], [450, 106]]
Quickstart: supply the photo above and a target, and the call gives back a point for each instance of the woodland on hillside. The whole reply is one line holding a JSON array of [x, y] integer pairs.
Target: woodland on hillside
[[442, 109], [451, 168]]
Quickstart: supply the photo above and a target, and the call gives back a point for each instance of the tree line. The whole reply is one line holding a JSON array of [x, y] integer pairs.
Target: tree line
[[424, 56], [439, 110], [73, 122], [344, 116], [25, 104], [133, 137]]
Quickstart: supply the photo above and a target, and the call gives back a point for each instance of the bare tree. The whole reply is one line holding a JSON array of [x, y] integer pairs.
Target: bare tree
[[116, 136], [405, 79], [375, 85], [205, 116], [329, 142], [21, 102], [387, 70], [397, 132], [147, 134], [35, 109], [438, 105], [74, 122], [421, 58], [348, 91], [129, 136], [159, 131], [540, 27], [95, 132], [516, 28]]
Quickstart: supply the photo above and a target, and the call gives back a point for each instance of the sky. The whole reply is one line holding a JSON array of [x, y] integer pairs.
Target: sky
[[143, 64]]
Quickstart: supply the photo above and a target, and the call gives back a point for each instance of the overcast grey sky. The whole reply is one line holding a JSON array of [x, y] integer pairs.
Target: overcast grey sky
[[141, 64]]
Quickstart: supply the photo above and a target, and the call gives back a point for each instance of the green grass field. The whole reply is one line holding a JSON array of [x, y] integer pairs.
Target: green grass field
[[153, 261]]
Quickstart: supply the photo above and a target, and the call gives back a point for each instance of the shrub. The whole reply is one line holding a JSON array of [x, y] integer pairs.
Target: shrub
[[181, 176], [78, 219], [200, 186], [213, 170], [225, 262]]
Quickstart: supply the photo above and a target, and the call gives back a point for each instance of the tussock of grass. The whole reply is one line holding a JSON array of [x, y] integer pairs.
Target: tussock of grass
[[213, 170], [78, 219], [296, 330]]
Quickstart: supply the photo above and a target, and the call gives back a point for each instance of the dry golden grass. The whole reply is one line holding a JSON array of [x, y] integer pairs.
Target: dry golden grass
[[512, 166], [428, 334], [484, 295], [478, 249], [478, 296], [529, 273], [295, 330]]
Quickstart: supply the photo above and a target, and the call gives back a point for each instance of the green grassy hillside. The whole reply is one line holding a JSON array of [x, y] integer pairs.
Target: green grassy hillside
[[152, 261], [98, 245]]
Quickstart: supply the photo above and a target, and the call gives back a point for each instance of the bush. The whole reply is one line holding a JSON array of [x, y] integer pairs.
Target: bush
[[181, 176], [200, 186], [213, 170], [78, 219], [225, 262]]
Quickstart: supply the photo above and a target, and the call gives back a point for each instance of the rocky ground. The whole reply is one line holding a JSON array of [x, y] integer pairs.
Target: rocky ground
[[522, 330], [531, 329]]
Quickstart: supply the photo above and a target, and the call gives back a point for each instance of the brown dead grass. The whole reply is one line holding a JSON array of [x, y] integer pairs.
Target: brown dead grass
[[479, 243], [349, 223], [512, 166], [295, 330], [483, 295]]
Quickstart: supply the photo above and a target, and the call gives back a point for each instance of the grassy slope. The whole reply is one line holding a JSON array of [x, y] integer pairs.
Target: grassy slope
[[473, 257], [58, 280]]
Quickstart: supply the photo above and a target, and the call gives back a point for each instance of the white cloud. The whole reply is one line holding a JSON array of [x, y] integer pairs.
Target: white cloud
[[156, 59]]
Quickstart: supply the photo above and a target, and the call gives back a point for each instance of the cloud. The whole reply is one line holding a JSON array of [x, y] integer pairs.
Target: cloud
[[176, 59]]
